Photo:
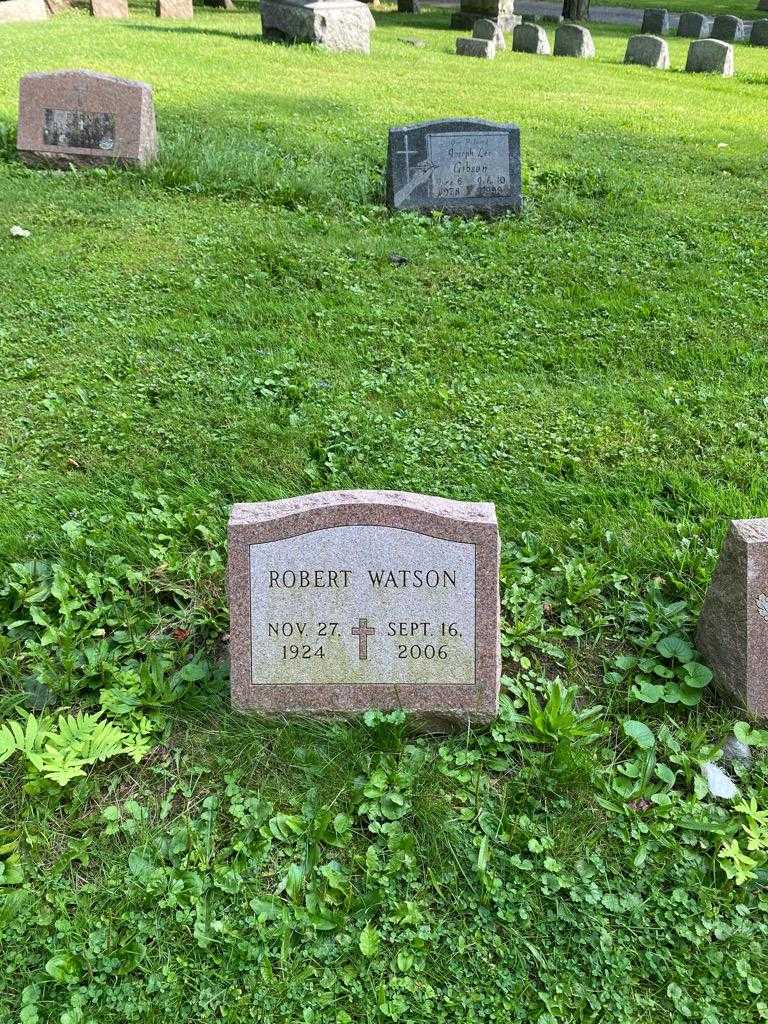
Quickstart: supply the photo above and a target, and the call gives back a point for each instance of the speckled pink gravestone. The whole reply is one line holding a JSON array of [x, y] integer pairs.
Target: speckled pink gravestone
[[346, 601], [110, 9], [85, 118], [733, 628]]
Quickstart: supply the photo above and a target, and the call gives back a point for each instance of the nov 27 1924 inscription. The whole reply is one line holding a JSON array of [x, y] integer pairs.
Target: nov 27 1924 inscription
[[458, 166], [346, 601]]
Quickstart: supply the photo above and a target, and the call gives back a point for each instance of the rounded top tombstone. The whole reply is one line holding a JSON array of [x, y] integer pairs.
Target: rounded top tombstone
[[345, 601]]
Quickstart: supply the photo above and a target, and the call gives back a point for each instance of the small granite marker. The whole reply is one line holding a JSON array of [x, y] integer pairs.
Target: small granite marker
[[655, 21], [733, 628], [484, 28], [759, 34], [458, 166], [337, 25], [727, 28], [573, 41], [692, 25], [710, 56], [530, 38], [85, 118], [109, 8], [485, 48], [651, 51], [347, 601]]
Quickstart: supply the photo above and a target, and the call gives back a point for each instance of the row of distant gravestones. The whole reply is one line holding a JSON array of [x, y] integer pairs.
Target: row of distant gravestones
[[713, 55]]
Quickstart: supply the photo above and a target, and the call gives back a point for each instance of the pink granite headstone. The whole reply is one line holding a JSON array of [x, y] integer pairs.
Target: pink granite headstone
[[109, 8], [347, 601], [174, 9], [22, 10], [85, 118], [733, 628]]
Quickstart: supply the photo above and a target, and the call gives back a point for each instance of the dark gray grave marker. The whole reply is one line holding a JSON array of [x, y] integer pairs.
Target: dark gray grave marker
[[458, 166]]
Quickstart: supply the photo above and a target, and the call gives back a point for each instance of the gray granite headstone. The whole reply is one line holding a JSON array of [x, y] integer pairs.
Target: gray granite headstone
[[345, 601], [692, 25], [109, 8], [458, 166], [484, 28], [655, 21], [759, 34], [573, 41], [727, 28], [530, 38], [650, 51], [733, 628], [710, 56]]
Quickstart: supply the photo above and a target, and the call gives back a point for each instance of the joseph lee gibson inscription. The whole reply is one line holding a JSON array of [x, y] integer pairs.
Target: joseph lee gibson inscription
[[458, 166], [342, 602]]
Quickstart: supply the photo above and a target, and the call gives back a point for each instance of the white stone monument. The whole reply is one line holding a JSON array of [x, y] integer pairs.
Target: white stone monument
[[337, 25]]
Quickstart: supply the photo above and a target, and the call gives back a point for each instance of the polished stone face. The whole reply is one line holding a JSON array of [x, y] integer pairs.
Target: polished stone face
[[346, 601], [79, 129], [460, 166], [469, 165], [362, 605]]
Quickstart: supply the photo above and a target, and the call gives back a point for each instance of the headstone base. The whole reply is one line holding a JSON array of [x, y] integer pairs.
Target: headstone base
[[483, 48], [338, 25]]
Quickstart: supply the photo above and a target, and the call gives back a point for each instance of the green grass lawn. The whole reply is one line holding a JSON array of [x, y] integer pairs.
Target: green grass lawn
[[229, 325]]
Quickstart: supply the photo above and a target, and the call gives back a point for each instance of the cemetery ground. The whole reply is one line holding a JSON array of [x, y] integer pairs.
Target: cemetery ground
[[245, 321]]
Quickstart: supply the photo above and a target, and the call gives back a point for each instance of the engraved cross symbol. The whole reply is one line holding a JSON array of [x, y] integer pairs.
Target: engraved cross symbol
[[407, 153], [362, 631]]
